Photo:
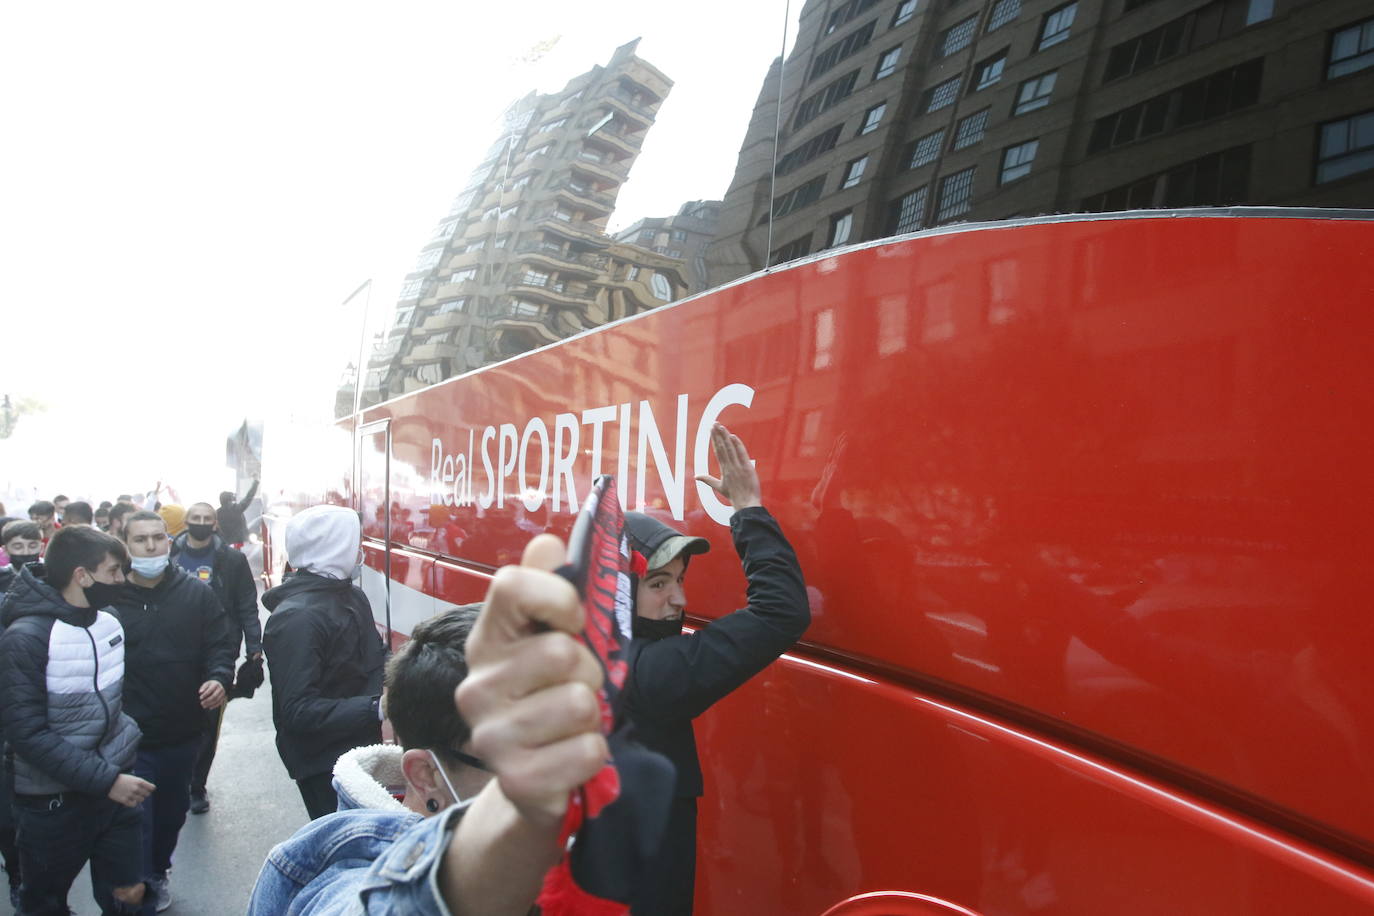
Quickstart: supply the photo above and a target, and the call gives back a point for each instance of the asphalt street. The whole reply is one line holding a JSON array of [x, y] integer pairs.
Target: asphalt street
[[253, 806]]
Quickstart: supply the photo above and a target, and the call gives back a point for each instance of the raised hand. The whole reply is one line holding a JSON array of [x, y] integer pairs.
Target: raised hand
[[531, 691], [738, 483]]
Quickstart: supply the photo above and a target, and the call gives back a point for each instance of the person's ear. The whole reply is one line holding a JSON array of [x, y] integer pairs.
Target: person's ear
[[420, 775]]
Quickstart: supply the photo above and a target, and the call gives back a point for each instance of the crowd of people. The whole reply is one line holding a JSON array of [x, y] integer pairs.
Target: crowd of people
[[118, 655]]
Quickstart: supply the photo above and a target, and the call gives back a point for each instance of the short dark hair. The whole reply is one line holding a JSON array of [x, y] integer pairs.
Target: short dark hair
[[20, 528], [119, 510], [78, 513], [142, 515], [59, 496], [79, 547], [42, 507], [421, 678], [226, 498], [104, 504]]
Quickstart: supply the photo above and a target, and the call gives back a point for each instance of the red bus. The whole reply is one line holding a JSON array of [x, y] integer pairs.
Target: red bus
[[1082, 501]]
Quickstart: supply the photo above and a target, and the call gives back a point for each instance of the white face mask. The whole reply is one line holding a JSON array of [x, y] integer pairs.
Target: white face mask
[[150, 567]]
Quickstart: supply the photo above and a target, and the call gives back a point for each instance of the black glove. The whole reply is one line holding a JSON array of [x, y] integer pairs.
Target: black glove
[[248, 678]]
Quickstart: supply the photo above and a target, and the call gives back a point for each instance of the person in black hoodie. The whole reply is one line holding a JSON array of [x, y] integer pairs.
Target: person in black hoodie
[[675, 677], [203, 554], [60, 657], [179, 663], [324, 652], [232, 525]]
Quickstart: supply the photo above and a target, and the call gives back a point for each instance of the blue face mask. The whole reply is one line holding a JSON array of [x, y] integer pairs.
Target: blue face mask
[[150, 567]]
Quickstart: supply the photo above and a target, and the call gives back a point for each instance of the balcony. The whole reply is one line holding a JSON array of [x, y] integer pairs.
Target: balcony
[[432, 352], [581, 262], [626, 144], [625, 104], [530, 329], [578, 295], [597, 200], [610, 171], [579, 230], [446, 321]]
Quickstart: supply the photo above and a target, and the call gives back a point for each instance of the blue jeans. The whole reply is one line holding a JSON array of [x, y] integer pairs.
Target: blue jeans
[[57, 835], [168, 768]]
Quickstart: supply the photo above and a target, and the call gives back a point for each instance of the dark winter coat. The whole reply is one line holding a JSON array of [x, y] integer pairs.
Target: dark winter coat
[[61, 694], [179, 638], [674, 680], [326, 659], [232, 526], [232, 582]]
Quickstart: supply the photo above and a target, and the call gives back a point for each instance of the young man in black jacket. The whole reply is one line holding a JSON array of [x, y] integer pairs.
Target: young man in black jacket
[[675, 677], [179, 662], [203, 554], [232, 526], [324, 652], [75, 799]]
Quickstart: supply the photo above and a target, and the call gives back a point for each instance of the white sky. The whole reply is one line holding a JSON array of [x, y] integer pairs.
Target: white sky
[[189, 192]]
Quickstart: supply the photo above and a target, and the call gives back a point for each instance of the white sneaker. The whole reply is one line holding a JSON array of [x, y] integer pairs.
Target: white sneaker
[[160, 892]]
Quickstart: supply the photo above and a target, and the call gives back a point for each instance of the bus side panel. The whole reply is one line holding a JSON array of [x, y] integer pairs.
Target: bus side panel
[[823, 784]]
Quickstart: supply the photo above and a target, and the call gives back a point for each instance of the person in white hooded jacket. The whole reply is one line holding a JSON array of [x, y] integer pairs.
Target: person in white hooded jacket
[[324, 652]]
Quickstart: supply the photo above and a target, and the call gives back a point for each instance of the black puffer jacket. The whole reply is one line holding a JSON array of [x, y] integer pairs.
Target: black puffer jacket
[[232, 582], [674, 680], [60, 693], [326, 660], [179, 638]]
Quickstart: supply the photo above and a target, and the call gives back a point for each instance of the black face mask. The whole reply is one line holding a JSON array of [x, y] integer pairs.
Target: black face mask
[[200, 532], [20, 560], [101, 594], [644, 628]]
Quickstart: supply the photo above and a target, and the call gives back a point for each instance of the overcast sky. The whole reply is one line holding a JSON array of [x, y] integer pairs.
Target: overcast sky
[[191, 190]]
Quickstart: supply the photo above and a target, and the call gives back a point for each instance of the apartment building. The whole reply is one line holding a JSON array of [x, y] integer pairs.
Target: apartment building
[[683, 236], [523, 259], [900, 115]]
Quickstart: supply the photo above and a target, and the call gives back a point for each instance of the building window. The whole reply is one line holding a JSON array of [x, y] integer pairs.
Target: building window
[[821, 143], [792, 250], [633, 274], [887, 64], [444, 230], [661, 287], [956, 195], [958, 36], [1217, 179], [679, 235], [493, 213], [411, 289], [827, 98], [971, 129], [847, 13], [909, 211], [990, 71], [1003, 11], [520, 182], [841, 224], [464, 275], [429, 258], [475, 246], [926, 149], [403, 316], [872, 118], [854, 172], [1201, 100], [509, 212], [501, 241], [452, 305], [825, 338], [1016, 160], [523, 308], [1196, 29], [646, 237], [563, 215], [1352, 49], [1034, 93], [905, 10], [855, 41], [1259, 11], [551, 125], [535, 278], [1056, 25], [799, 197], [1345, 147], [938, 97]]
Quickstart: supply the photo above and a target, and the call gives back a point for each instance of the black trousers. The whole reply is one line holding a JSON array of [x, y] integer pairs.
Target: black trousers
[[675, 868], [8, 849], [209, 741], [59, 834], [317, 791]]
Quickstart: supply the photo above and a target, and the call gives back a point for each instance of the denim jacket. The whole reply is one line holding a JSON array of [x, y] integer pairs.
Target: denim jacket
[[369, 857]]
